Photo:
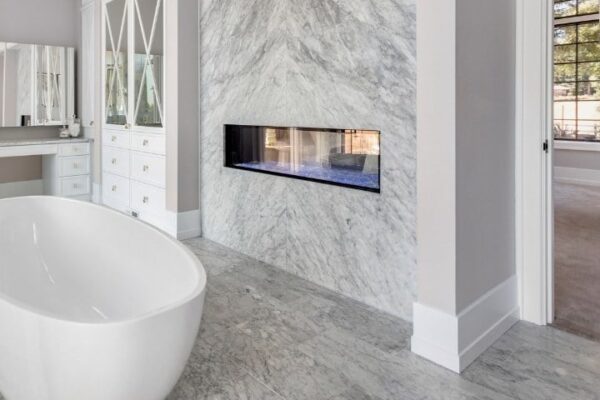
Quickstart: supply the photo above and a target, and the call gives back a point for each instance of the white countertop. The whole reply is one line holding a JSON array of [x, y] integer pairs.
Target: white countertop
[[42, 141]]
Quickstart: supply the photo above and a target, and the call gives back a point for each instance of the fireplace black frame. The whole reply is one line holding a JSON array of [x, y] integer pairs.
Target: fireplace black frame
[[228, 162]]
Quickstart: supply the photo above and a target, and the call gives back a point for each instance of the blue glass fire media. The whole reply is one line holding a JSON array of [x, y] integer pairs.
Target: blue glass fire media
[[343, 157]]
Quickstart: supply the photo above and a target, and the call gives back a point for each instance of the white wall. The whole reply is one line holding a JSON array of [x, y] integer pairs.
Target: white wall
[[436, 178], [466, 178], [485, 146]]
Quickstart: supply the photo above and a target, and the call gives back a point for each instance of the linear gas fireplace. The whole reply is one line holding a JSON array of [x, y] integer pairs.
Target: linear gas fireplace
[[344, 157]]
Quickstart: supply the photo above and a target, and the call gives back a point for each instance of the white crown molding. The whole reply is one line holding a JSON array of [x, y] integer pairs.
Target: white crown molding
[[455, 341]]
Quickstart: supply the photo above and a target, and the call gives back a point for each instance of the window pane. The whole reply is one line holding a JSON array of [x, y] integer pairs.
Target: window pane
[[588, 130], [564, 129], [588, 6], [564, 91], [589, 52], [564, 73], [565, 53], [589, 110], [589, 71], [588, 32], [564, 8], [565, 110], [588, 90], [565, 34]]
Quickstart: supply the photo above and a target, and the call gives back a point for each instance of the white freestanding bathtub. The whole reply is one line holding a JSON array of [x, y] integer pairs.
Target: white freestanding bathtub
[[93, 304]]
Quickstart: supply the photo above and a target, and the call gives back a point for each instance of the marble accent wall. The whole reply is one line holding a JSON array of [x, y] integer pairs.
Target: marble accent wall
[[321, 63]]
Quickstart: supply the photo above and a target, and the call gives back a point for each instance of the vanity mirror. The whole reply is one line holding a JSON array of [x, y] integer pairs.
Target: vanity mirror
[[37, 85]]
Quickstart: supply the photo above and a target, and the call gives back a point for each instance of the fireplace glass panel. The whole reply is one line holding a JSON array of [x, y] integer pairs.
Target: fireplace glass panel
[[346, 157]]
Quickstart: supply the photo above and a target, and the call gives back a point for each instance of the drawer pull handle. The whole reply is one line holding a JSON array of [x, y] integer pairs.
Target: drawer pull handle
[[145, 200], [91, 123], [114, 138], [145, 168], [75, 185], [114, 161], [75, 165], [114, 188], [145, 142]]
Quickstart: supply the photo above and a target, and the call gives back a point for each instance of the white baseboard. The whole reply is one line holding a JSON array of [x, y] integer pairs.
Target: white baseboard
[[183, 225], [97, 193], [188, 224], [579, 176], [455, 341], [22, 188]]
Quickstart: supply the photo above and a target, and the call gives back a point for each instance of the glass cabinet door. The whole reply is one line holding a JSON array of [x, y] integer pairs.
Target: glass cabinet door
[[50, 73], [116, 62], [148, 63]]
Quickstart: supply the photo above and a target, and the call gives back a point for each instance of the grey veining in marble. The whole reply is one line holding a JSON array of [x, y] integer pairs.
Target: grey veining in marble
[[255, 344], [341, 64]]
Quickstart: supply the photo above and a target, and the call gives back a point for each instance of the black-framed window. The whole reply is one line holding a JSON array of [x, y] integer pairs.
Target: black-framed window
[[571, 8], [577, 70]]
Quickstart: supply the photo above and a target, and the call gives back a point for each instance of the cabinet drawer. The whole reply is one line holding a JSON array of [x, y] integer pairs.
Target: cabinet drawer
[[151, 143], [73, 166], [147, 198], [73, 149], [75, 185], [115, 139], [116, 188], [148, 168], [115, 161]]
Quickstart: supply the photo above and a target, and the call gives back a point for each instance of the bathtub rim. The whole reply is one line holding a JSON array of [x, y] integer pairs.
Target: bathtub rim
[[198, 290]]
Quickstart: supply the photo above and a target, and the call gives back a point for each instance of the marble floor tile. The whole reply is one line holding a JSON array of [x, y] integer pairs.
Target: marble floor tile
[[230, 301], [295, 286], [525, 365], [373, 326], [215, 258], [268, 333], [402, 375], [210, 375], [286, 369], [354, 393]]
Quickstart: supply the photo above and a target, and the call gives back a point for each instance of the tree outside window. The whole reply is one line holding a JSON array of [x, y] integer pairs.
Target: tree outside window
[[577, 70]]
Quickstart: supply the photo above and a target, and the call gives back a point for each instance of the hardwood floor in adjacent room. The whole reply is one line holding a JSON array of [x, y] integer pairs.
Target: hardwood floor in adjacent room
[[577, 259]]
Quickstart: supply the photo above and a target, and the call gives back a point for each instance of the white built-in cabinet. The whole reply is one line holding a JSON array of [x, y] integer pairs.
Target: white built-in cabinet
[[67, 172], [133, 130]]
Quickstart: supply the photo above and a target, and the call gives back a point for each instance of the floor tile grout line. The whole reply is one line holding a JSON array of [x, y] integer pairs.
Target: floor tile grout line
[[263, 383]]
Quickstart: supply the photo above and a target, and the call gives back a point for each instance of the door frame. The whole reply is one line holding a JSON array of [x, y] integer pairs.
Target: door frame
[[534, 172]]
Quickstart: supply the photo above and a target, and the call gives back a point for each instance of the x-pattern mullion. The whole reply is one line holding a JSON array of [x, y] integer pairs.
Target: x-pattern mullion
[[115, 52], [148, 48], [54, 76]]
